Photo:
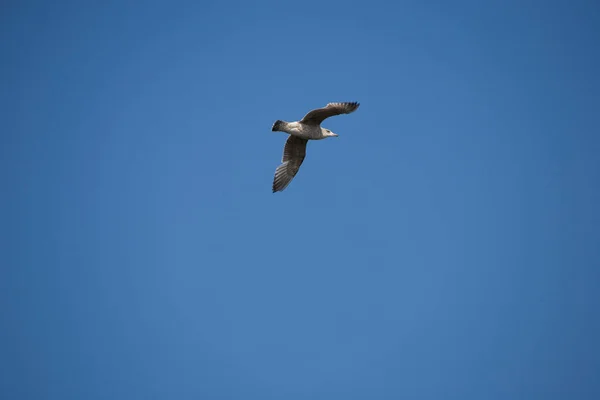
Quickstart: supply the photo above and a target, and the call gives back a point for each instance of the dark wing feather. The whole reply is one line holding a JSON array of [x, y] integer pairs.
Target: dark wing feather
[[320, 114], [293, 155]]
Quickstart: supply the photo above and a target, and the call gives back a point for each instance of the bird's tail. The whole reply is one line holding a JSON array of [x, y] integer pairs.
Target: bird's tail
[[277, 125]]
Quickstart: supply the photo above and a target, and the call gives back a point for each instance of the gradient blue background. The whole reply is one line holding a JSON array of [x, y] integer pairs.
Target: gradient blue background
[[445, 246]]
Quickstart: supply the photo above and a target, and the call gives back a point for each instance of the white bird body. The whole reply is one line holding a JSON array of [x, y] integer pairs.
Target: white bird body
[[305, 131]]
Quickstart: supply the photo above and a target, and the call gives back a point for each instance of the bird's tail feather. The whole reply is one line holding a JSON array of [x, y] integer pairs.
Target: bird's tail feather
[[277, 125]]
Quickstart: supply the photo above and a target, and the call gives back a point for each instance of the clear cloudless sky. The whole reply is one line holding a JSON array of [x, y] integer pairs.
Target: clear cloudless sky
[[444, 246]]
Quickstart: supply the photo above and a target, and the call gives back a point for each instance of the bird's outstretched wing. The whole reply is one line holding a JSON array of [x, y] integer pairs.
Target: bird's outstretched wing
[[293, 155], [320, 114]]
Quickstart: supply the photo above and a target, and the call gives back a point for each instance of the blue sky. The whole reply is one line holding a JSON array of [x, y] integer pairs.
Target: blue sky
[[446, 245]]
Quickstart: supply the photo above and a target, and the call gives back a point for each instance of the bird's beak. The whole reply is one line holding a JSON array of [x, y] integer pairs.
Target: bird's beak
[[335, 135]]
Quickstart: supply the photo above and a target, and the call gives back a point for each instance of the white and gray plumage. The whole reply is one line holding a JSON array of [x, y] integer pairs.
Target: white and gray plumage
[[308, 128]]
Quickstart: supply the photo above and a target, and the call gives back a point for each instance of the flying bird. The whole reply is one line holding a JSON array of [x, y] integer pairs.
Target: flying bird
[[308, 128]]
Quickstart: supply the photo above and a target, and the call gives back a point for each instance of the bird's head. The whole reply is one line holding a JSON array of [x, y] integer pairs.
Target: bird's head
[[328, 133]]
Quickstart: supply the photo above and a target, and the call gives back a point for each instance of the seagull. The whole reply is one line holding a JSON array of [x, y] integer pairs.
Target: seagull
[[308, 128]]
